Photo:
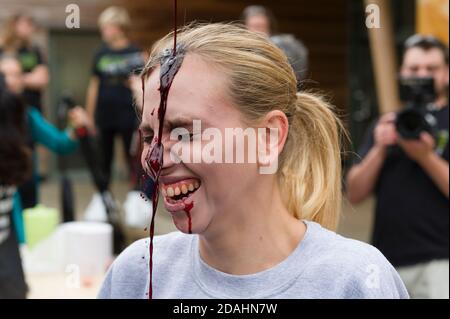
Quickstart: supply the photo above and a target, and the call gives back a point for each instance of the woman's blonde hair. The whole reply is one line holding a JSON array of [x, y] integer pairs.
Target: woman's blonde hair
[[115, 15], [10, 41], [261, 80]]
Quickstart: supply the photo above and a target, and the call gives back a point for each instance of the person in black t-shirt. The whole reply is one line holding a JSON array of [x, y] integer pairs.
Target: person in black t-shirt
[[109, 96], [17, 41], [410, 180]]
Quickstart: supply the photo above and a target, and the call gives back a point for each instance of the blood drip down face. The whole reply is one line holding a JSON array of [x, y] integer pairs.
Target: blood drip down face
[[170, 64]]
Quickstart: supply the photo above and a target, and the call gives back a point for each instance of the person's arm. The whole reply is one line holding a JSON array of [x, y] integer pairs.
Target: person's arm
[[48, 135], [91, 96], [438, 169], [362, 178], [37, 79], [18, 218], [421, 151]]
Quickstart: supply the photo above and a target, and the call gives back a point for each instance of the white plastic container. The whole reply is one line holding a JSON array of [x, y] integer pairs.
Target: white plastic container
[[88, 246]]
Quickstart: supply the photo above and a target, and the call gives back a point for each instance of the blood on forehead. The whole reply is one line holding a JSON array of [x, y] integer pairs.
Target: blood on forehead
[[170, 62]]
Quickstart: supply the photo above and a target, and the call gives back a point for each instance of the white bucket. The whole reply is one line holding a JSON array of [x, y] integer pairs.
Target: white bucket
[[88, 247]]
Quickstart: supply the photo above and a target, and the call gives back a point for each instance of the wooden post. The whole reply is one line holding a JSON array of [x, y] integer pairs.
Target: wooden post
[[382, 47]]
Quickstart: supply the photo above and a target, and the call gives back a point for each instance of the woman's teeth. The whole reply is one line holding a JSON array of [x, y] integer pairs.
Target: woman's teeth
[[177, 189]]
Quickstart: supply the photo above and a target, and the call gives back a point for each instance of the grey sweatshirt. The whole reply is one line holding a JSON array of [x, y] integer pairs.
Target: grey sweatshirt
[[323, 265]]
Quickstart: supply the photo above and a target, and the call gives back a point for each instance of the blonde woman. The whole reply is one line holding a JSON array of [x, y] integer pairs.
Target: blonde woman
[[254, 235], [109, 100]]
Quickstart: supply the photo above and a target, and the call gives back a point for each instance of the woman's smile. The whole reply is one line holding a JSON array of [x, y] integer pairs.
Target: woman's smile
[[178, 192]]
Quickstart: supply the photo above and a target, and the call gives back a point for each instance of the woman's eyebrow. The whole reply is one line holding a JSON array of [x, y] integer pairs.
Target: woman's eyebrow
[[182, 122], [185, 122], [177, 122], [145, 127]]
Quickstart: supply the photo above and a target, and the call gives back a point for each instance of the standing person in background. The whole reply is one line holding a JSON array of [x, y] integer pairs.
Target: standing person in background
[[16, 41], [410, 179], [261, 19], [37, 131], [109, 97]]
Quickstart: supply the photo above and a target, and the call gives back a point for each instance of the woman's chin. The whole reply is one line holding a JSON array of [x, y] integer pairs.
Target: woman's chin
[[183, 222]]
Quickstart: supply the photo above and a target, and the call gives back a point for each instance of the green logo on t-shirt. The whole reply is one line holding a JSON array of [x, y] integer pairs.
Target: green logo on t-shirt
[[107, 62], [28, 60], [441, 141]]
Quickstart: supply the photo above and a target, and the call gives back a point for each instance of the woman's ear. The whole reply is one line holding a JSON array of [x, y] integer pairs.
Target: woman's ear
[[272, 136]]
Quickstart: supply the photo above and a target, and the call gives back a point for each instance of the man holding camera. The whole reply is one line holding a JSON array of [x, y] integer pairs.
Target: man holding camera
[[410, 179]]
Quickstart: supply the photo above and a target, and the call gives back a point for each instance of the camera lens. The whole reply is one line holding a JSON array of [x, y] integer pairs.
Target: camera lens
[[410, 123]]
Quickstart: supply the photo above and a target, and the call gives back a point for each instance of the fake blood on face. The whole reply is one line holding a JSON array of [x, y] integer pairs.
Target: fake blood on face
[[170, 64], [187, 210]]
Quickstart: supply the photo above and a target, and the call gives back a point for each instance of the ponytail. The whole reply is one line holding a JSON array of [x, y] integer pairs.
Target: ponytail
[[311, 162]]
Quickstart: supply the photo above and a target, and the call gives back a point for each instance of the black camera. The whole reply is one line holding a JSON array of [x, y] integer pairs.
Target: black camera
[[419, 95]]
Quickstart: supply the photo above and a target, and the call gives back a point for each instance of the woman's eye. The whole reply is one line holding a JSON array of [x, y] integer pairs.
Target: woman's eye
[[148, 139], [184, 137]]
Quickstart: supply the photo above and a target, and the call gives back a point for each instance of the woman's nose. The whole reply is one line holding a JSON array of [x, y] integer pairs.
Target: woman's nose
[[168, 158]]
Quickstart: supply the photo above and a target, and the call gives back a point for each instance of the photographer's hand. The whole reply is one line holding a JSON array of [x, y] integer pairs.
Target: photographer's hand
[[385, 133], [418, 150], [435, 166]]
